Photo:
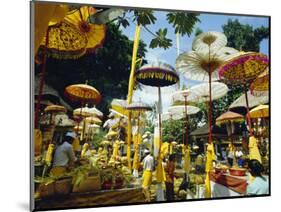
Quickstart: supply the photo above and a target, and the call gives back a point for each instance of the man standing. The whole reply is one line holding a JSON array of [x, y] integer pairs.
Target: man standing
[[64, 155], [148, 164]]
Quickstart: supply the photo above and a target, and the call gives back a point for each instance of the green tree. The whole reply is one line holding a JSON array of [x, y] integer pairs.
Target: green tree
[[243, 36]]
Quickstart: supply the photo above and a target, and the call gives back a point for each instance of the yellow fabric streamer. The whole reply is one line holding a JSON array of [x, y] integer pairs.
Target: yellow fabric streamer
[[76, 144], [130, 91], [137, 141]]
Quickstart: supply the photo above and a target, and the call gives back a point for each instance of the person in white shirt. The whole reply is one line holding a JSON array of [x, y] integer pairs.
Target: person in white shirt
[[148, 166], [64, 155]]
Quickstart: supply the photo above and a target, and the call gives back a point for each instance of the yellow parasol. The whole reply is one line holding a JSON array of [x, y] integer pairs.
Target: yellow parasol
[[55, 108], [93, 120], [111, 134], [261, 111], [83, 93], [260, 84], [229, 116]]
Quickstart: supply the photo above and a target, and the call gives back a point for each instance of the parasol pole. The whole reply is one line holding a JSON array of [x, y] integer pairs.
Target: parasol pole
[[210, 100], [130, 92], [42, 79], [159, 117], [186, 130], [248, 111], [170, 132]]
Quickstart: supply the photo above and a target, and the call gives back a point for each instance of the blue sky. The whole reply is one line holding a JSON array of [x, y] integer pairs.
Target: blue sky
[[209, 22]]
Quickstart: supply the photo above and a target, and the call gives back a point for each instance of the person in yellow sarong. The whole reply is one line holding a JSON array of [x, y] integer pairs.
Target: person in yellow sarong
[[148, 164]]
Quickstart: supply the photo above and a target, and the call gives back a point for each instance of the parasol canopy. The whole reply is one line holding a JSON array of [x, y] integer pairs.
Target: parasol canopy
[[111, 134], [260, 84], [229, 116], [200, 93], [157, 74], [197, 65], [86, 111], [261, 111], [138, 106], [55, 109], [172, 116], [93, 126], [253, 100], [180, 109], [243, 68], [93, 120], [83, 93], [74, 35], [212, 39]]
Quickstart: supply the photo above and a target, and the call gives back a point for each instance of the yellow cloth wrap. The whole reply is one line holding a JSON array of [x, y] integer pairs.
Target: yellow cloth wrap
[[187, 164], [37, 142], [147, 178], [49, 154], [160, 172], [130, 90], [84, 150], [210, 156], [45, 13], [137, 141], [58, 171], [76, 144], [254, 152], [207, 186], [115, 149]]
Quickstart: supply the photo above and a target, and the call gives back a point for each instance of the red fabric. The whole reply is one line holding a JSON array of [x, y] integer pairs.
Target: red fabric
[[237, 184]]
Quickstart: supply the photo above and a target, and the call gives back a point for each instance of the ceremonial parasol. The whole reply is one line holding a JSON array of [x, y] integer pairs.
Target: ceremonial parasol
[[93, 120], [54, 109], [229, 118], [243, 69], [83, 93], [157, 74], [209, 52], [182, 96], [68, 39], [260, 111], [260, 84], [137, 107]]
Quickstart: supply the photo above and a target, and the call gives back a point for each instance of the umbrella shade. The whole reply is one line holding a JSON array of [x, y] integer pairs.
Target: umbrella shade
[[55, 108], [86, 111], [171, 116], [180, 109], [138, 106], [93, 126], [157, 74], [253, 100], [243, 68], [94, 33], [74, 35], [261, 111], [104, 143], [261, 83], [213, 40], [200, 93], [111, 123], [83, 93], [229, 116], [93, 120], [180, 95], [196, 65]]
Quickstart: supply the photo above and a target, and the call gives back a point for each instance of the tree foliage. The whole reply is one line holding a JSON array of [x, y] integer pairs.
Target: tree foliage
[[243, 36]]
